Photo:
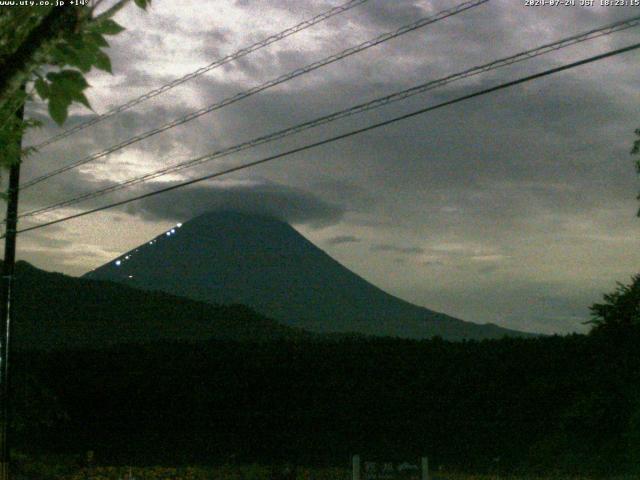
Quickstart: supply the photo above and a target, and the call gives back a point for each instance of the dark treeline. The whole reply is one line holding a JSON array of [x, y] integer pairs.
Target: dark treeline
[[544, 404]]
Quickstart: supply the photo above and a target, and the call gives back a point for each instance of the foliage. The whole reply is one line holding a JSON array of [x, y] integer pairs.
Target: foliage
[[55, 311], [636, 145], [49, 49], [621, 308], [542, 405]]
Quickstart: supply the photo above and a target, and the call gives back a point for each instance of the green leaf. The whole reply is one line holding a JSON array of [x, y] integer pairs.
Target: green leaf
[[42, 87], [80, 97], [58, 109], [97, 39], [70, 79], [75, 41], [86, 59], [83, 56], [103, 62], [142, 3], [65, 55], [65, 87], [108, 27]]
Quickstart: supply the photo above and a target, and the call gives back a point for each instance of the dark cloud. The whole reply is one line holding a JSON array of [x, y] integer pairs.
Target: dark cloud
[[388, 15], [386, 247], [285, 203], [340, 239]]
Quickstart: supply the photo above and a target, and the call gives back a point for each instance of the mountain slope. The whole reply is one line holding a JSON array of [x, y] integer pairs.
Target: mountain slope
[[229, 257], [55, 311]]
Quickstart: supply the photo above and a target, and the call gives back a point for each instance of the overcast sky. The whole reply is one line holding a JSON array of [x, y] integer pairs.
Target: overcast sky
[[517, 207]]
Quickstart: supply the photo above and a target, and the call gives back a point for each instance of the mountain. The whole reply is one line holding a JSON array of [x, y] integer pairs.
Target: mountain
[[53, 311], [264, 263]]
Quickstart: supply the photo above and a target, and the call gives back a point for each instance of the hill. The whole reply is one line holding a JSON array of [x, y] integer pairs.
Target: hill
[[229, 257], [56, 311]]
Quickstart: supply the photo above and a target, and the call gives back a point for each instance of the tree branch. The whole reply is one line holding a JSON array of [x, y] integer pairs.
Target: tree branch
[[20, 64], [112, 11]]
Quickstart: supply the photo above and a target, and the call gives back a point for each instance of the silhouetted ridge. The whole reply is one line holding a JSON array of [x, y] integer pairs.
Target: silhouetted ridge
[[55, 311]]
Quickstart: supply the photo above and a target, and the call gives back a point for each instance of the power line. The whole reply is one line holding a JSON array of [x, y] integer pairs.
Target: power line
[[376, 103], [343, 136], [271, 83], [281, 79], [215, 64]]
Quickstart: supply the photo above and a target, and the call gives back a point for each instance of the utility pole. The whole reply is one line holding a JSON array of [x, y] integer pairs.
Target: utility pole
[[6, 295]]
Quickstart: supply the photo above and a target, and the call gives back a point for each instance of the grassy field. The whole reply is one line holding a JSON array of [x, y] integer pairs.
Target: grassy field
[[250, 472]]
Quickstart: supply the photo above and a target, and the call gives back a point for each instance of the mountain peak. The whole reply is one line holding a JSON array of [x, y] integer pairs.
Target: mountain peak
[[263, 262]]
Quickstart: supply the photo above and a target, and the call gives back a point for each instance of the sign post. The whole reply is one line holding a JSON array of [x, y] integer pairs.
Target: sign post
[[390, 470], [425, 468]]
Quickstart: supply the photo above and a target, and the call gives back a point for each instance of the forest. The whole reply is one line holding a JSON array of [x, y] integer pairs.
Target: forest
[[549, 404]]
